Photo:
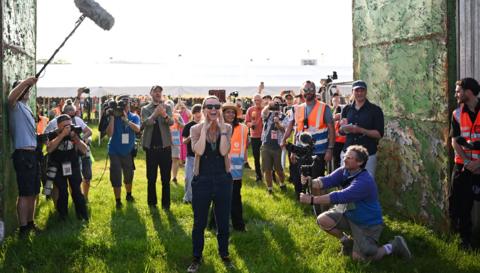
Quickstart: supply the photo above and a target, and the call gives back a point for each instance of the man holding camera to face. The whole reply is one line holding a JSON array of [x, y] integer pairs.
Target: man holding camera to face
[[65, 147], [25, 157], [272, 134], [86, 163], [122, 127]]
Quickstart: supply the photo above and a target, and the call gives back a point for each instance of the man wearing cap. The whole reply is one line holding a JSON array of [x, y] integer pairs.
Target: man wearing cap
[[86, 167], [362, 123], [253, 120], [24, 140], [274, 124], [122, 127], [157, 143], [314, 117]]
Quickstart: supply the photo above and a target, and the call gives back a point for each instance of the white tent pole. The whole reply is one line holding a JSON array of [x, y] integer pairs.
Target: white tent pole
[[99, 117]]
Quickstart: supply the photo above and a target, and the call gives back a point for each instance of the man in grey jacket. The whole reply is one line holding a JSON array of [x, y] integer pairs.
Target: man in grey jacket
[[157, 142]]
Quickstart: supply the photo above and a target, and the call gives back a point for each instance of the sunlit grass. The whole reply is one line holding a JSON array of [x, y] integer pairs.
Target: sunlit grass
[[282, 236]]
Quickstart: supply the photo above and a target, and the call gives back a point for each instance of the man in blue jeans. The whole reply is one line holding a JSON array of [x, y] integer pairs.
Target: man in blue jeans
[[357, 209], [122, 127]]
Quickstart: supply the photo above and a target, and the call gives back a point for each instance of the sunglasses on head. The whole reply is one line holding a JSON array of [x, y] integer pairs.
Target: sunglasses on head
[[211, 106]]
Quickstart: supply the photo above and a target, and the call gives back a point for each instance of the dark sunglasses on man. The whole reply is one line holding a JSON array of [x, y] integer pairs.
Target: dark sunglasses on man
[[211, 106], [309, 90]]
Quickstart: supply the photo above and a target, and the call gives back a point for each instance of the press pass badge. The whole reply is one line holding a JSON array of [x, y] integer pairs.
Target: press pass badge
[[67, 168], [125, 138]]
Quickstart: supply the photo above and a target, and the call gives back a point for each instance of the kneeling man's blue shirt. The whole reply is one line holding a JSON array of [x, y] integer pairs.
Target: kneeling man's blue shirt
[[362, 193]]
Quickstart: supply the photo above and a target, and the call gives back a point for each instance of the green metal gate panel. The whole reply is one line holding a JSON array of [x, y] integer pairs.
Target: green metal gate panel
[[18, 28], [402, 50]]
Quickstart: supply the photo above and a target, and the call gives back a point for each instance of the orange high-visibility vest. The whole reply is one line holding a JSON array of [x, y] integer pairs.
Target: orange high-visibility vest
[[315, 118], [42, 124], [316, 126], [238, 149], [338, 137], [471, 133]]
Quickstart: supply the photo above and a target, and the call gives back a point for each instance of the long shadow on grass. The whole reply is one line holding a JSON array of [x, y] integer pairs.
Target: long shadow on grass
[[130, 245], [177, 243], [51, 249], [266, 247], [428, 257]]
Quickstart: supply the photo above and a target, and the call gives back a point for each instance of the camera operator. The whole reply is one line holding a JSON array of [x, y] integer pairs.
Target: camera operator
[[465, 134], [86, 168], [64, 150], [25, 158], [274, 122], [357, 209], [157, 143], [314, 117], [253, 120], [122, 127]]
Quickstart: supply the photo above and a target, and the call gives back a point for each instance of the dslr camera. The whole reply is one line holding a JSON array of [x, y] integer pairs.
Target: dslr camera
[[86, 90]]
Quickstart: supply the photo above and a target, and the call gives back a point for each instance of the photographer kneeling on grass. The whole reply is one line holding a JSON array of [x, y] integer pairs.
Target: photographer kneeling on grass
[[357, 209], [65, 147]]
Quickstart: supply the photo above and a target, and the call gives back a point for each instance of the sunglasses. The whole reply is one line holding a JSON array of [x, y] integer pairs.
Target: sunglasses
[[211, 106], [309, 90]]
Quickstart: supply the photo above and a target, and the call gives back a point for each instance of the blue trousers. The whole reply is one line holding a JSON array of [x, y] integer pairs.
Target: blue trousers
[[216, 188]]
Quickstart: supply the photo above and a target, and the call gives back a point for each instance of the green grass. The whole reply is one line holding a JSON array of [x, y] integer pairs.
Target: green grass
[[282, 236]]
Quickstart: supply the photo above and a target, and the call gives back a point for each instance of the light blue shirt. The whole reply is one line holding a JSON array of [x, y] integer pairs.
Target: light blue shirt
[[22, 126]]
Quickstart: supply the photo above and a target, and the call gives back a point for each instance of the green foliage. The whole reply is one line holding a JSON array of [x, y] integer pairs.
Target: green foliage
[[282, 236]]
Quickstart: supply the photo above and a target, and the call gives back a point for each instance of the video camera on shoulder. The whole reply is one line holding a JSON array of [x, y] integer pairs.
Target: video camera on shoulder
[[114, 108]]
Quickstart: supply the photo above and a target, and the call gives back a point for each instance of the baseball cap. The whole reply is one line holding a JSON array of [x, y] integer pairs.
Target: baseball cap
[[359, 84]]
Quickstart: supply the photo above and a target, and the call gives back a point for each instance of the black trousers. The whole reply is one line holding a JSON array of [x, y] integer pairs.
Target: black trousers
[[256, 144], [461, 202], [159, 158], [74, 181]]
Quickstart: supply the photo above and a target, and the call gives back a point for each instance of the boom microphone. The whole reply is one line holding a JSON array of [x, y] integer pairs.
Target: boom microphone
[[96, 13], [90, 9]]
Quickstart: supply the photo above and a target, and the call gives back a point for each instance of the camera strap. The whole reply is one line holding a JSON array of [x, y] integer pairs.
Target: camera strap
[[348, 180]]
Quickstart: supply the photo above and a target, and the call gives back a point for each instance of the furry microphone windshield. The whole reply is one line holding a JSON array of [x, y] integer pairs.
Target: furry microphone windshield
[[96, 13]]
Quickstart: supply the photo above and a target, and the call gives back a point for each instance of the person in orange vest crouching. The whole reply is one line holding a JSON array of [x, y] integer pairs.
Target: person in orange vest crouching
[[465, 134]]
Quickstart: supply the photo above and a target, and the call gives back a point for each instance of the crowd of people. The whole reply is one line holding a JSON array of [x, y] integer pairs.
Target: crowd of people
[[326, 144]]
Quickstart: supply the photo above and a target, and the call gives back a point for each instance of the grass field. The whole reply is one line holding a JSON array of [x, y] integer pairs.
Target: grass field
[[281, 236]]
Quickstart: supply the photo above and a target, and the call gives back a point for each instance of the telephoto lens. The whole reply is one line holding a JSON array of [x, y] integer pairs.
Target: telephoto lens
[[51, 173]]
